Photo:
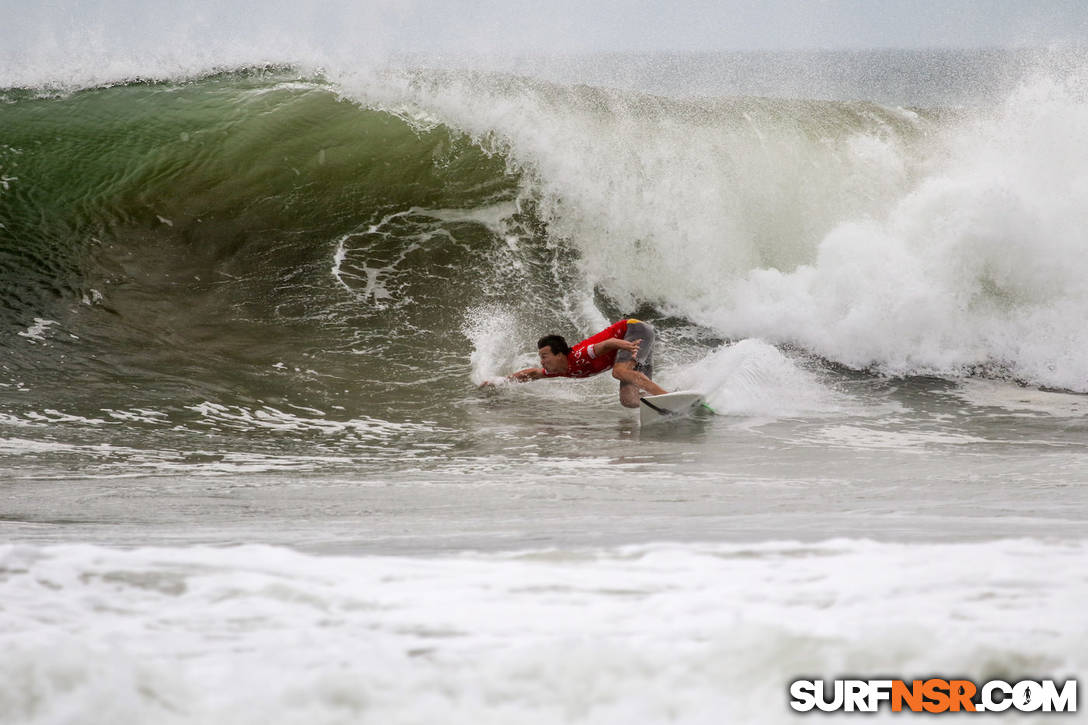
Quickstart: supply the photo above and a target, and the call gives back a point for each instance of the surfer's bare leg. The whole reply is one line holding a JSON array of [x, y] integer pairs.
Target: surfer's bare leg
[[629, 395], [631, 382]]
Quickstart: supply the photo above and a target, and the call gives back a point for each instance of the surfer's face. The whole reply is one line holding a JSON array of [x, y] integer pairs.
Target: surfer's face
[[551, 362]]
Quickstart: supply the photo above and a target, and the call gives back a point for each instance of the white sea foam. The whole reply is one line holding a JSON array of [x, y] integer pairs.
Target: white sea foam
[[37, 332], [269, 418], [659, 633], [980, 263], [493, 216]]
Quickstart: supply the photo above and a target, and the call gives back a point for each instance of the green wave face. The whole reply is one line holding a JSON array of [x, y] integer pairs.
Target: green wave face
[[198, 238]]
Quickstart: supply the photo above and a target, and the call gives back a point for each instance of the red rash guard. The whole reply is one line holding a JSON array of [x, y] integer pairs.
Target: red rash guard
[[583, 360]]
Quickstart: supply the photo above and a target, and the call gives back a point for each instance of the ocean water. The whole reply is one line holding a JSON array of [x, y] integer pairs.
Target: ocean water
[[247, 475]]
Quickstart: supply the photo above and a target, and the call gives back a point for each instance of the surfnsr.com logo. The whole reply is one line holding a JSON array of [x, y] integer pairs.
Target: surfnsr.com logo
[[933, 695]]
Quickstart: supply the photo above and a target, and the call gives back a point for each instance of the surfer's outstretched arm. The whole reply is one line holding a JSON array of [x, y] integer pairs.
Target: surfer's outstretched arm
[[521, 376], [524, 376]]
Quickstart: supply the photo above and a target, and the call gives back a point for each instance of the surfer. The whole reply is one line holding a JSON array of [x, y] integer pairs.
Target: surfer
[[625, 346]]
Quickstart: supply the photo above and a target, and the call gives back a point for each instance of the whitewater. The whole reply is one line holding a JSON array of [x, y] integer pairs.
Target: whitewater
[[254, 271]]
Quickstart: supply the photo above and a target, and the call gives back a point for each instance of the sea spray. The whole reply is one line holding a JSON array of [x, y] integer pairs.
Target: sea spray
[[493, 332], [753, 378]]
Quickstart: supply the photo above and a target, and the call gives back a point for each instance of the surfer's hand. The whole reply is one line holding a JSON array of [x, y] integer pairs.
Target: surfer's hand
[[630, 346]]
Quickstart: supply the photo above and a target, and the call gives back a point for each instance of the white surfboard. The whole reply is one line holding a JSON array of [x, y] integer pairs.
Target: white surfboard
[[669, 407]]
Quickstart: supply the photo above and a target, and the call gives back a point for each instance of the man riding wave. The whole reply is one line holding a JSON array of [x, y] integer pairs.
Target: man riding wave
[[625, 346]]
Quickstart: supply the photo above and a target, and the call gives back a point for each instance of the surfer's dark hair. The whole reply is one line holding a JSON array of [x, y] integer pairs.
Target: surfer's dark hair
[[555, 342]]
